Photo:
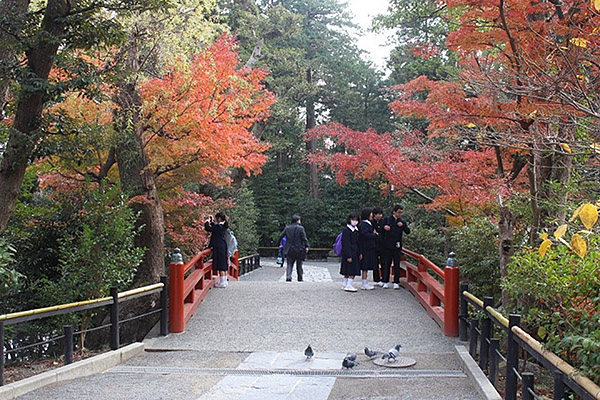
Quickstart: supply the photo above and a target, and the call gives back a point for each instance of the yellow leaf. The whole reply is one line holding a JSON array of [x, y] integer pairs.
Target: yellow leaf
[[544, 247], [566, 148], [579, 245], [471, 125], [579, 42], [589, 215], [576, 213], [544, 235], [586, 63], [541, 332], [532, 114], [596, 4], [560, 232], [595, 147], [583, 78]]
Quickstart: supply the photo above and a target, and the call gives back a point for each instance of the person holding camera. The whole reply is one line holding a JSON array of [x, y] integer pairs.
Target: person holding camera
[[218, 244]]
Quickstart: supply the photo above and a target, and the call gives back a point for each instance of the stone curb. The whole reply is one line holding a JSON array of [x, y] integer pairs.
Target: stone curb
[[79, 369], [484, 387]]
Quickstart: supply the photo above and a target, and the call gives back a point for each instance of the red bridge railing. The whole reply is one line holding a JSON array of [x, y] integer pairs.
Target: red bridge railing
[[188, 285], [439, 296]]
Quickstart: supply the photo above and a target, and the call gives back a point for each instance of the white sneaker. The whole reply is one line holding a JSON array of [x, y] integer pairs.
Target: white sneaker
[[350, 289], [386, 285], [367, 287], [396, 286], [380, 284], [220, 285]]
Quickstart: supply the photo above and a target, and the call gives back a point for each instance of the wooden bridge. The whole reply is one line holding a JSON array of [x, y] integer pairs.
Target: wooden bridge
[[247, 341]]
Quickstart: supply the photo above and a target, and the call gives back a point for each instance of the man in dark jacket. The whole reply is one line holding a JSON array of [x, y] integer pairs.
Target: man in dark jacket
[[393, 227], [295, 248]]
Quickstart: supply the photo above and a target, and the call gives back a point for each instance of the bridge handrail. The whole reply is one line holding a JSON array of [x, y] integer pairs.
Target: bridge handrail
[[113, 301], [187, 292], [440, 299], [565, 374]]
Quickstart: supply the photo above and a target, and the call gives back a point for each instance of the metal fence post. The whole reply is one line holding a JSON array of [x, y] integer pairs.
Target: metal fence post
[[164, 306], [68, 331], [512, 359], [114, 319], [493, 370], [464, 313], [527, 386], [1, 353], [486, 334], [559, 386], [473, 336]]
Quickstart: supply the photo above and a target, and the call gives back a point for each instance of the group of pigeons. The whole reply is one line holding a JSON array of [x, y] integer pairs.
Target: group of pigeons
[[350, 359]]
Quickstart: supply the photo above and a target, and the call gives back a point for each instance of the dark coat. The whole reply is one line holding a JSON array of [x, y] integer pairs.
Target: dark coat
[[218, 244], [379, 228], [367, 239], [392, 239], [295, 237], [350, 250]]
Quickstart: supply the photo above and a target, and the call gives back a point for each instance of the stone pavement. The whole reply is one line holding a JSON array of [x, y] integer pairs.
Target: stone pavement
[[247, 341]]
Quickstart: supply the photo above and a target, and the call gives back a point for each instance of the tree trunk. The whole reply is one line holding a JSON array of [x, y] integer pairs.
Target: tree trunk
[[24, 133], [540, 172], [138, 183], [311, 146], [10, 10]]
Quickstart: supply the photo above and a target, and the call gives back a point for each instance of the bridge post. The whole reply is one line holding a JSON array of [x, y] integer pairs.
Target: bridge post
[[68, 350], [451, 296], [176, 272]]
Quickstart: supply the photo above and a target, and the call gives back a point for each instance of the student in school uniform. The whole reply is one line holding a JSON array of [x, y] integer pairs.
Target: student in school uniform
[[394, 227], [367, 243], [378, 225], [218, 244], [350, 253]]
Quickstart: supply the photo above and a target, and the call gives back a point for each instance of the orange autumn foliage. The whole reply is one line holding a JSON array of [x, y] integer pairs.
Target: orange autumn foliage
[[198, 117]]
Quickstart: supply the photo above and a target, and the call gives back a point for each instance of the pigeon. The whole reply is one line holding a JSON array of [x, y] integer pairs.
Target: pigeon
[[348, 364], [392, 353], [351, 357], [371, 353], [309, 352]]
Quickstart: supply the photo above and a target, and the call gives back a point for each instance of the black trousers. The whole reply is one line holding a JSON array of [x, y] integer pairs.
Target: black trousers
[[376, 273], [389, 256]]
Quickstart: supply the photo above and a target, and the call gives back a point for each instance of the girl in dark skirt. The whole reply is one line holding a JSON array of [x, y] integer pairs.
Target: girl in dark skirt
[[367, 244], [218, 244], [350, 253]]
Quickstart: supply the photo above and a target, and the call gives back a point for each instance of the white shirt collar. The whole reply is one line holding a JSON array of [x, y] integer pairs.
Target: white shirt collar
[[352, 228], [367, 221]]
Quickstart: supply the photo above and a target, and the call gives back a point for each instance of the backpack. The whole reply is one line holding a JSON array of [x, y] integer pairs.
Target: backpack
[[337, 245], [232, 243]]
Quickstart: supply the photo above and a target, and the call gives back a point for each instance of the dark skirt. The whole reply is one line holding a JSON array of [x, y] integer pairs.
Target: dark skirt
[[351, 269], [369, 261], [219, 257]]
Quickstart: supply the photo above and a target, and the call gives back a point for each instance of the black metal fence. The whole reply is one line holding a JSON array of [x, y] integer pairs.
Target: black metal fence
[[113, 301], [248, 264], [480, 334]]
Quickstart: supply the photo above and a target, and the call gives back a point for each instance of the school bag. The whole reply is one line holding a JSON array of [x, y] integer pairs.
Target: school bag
[[337, 245]]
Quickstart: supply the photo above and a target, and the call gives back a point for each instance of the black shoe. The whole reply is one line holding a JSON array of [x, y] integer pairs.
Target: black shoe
[[300, 280], [288, 280]]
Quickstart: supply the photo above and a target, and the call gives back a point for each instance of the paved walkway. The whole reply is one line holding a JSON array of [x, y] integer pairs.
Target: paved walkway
[[247, 341]]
